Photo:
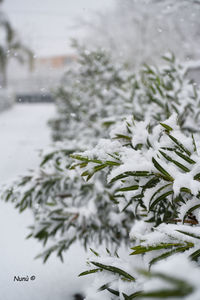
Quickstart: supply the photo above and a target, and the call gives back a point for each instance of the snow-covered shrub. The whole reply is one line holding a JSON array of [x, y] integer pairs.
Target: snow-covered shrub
[[163, 90], [57, 195], [156, 171], [91, 95], [66, 208], [98, 92]]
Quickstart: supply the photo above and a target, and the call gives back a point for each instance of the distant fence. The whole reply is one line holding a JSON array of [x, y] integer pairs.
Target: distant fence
[[6, 99], [34, 98]]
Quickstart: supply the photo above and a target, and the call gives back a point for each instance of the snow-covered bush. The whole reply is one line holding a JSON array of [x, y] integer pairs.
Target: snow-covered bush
[[97, 94], [93, 93], [156, 171], [67, 208]]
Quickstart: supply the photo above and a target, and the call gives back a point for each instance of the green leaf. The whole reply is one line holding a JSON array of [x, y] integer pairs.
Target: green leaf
[[191, 209], [179, 144], [189, 234], [80, 165], [186, 158], [160, 198], [132, 296], [197, 176], [134, 174], [169, 253], [167, 157], [128, 188], [167, 127], [151, 183], [121, 136], [185, 190], [103, 287], [89, 272], [139, 196], [142, 249], [98, 168], [194, 143], [162, 170], [94, 252], [85, 173], [112, 163], [195, 255], [86, 159], [106, 287], [46, 158], [95, 170], [114, 270], [46, 257]]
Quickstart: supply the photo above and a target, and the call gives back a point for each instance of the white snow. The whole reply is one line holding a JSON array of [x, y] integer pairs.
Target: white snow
[[23, 131]]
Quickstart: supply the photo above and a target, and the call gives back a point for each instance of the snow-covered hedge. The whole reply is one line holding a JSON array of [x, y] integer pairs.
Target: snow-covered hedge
[[66, 208], [96, 94], [157, 174], [143, 174], [91, 95]]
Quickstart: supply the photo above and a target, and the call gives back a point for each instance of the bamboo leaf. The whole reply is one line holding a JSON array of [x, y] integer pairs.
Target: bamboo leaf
[[162, 170], [189, 234], [191, 210], [114, 270], [185, 190], [194, 143], [143, 249], [167, 127], [132, 296], [160, 198], [128, 188], [94, 252], [195, 255], [181, 166], [46, 158], [112, 163], [86, 159], [186, 158], [179, 144], [169, 253], [121, 136], [134, 174], [89, 272]]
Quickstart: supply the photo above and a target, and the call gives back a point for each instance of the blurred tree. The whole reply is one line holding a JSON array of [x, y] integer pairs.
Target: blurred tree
[[10, 46], [145, 29]]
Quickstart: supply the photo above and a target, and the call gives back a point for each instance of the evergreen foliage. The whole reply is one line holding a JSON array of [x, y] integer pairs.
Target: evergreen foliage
[[91, 95], [157, 177], [140, 183]]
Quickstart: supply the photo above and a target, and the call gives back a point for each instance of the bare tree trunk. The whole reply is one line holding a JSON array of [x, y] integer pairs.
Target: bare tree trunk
[[4, 79], [3, 75]]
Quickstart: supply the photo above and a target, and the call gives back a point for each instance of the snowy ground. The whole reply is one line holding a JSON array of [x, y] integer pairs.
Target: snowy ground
[[23, 131]]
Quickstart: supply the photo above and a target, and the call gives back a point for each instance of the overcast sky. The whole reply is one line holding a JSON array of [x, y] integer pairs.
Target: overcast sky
[[47, 25]]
